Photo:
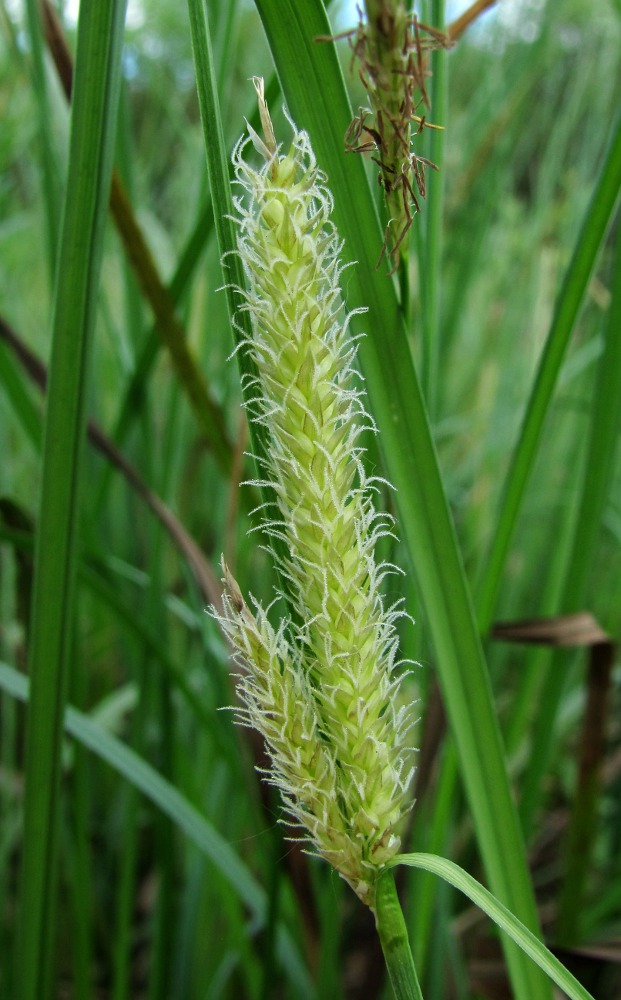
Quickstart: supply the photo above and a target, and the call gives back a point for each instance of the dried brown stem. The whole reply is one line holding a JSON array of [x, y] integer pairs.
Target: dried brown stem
[[457, 27]]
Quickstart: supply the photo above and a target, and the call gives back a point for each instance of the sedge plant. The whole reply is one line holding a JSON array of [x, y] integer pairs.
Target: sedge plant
[[162, 883], [324, 687]]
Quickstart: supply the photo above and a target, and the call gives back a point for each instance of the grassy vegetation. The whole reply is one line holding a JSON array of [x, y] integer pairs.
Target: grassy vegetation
[[140, 854]]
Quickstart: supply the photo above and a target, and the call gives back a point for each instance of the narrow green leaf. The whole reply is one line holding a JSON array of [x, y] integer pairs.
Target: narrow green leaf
[[49, 167], [501, 916], [433, 217], [221, 197], [215, 148], [100, 33]]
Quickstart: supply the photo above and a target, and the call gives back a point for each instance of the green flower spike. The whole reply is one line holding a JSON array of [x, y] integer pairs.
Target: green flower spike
[[323, 690]]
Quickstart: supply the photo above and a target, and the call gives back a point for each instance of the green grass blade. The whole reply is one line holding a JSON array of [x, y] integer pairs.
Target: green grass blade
[[314, 89], [220, 186], [215, 148], [433, 217], [100, 33], [568, 304], [49, 169], [173, 804], [599, 466], [501, 916]]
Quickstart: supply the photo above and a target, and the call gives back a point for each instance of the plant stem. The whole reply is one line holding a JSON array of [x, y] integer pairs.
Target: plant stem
[[393, 936]]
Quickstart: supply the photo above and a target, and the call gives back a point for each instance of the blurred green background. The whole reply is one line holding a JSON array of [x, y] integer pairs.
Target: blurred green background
[[533, 94]]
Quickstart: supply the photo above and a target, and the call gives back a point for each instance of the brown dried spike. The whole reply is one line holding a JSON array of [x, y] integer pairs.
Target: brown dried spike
[[396, 89], [231, 588], [392, 53]]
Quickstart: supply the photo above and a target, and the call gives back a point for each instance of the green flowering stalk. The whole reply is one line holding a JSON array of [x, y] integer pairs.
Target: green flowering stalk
[[323, 690]]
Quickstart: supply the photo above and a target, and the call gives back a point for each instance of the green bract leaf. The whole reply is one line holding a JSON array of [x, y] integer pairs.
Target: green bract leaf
[[501, 916]]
